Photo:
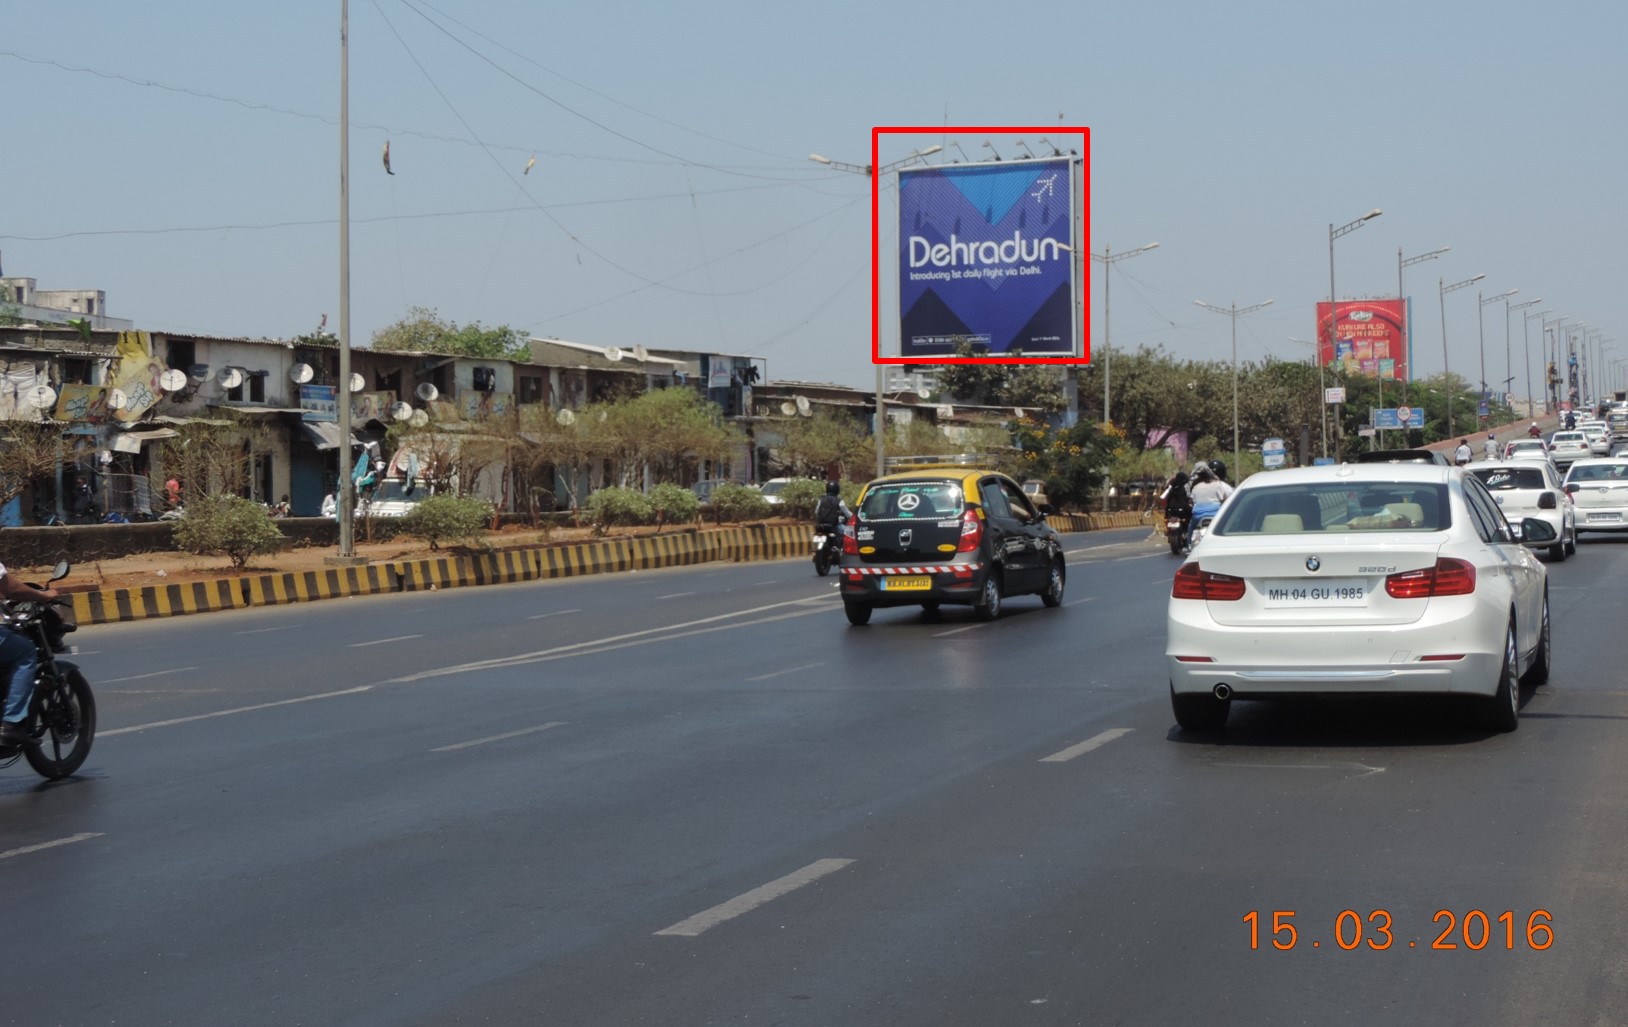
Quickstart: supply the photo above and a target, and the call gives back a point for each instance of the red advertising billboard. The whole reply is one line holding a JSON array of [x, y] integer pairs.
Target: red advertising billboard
[[1368, 338]]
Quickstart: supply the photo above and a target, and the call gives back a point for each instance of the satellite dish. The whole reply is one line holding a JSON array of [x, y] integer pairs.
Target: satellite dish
[[923, 392], [803, 406], [419, 419], [230, 378], [299, 374], [1017, 412], [641, 354], [173, 380], [41, 396], [117, 400], [357, 382], [427, 392], [400, 411], [789, 408], [613, 353], [566, 417], [198, 373]]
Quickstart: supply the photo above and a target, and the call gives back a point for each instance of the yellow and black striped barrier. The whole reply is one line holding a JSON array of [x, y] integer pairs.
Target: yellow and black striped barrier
[[277, 589], [112, 606]]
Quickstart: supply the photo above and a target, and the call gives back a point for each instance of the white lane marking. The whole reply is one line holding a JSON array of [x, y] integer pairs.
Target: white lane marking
[[632, 638], [143, 677], [1094, 742], [498, 738], [42, 846], [1076, 602], [1366, 769], [228, 713], [788, 670], [677, 595], [383, 641], [956, 631], [749, 901], [262, 631], [556, 613]]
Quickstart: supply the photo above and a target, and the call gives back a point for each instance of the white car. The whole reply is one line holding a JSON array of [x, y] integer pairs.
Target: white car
[[771, 489], [1531, 488], [1599, 436], [1599, 487], [1359, 578], [1525, 449], [1566, 446]]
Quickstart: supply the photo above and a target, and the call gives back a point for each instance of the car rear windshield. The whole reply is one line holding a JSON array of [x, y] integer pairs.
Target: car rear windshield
[[912, 501], [1503, 479], [1598, 472], [1337, 507]]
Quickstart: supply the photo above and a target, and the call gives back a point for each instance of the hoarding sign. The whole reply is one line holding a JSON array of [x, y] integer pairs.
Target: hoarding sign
[[987, 255], [1335, 394], [1368, 338], [1273, 453], [319, 403], [1386, 418]]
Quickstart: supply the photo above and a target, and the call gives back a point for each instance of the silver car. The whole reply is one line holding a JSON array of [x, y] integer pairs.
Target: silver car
[[1531, 488], [1370, 578], [1566, 446], [1599, 487]]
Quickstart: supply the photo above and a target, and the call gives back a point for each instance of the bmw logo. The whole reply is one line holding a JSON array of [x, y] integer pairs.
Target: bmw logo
[[1312, 563]]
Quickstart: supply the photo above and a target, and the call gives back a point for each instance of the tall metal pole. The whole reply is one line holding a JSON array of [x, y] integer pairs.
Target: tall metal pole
[[347, 491], [1481, 332], [1446, 369], [1107, 345], [881, 426], [1233, 312], [1333, 318]]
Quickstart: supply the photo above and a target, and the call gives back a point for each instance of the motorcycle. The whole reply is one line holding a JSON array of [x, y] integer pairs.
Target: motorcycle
[[1175, 532], [1203, 515], [61, 721], [827, 550]]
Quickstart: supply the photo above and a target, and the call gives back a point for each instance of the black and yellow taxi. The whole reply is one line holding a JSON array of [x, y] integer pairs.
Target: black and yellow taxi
[[948, 534]]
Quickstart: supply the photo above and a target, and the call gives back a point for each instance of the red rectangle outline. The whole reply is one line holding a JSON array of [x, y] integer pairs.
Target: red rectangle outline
[[1083, 253]]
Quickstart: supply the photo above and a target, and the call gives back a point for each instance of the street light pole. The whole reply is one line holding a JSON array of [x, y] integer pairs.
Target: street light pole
[[1334, 314], [347, 485], [1234, 311], [1447, 372], [1481, 329], [1525, 342], [1108, 258], [1407, 321], [1552, 351], [868, 171]]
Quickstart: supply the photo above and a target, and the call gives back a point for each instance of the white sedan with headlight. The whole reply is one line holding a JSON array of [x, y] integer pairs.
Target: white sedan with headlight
[[1360, 578]]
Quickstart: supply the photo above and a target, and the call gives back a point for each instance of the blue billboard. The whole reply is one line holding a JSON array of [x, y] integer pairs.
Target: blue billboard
[[987, 255]]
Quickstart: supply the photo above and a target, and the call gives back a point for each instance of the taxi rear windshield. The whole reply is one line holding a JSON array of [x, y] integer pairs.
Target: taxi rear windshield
[[912, 501], [1504, 479], [1336, 507]]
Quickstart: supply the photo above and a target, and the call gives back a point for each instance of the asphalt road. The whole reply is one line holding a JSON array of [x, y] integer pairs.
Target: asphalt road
[[698, 796]]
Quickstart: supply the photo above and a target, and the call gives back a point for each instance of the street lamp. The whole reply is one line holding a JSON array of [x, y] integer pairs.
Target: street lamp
[[1234, 311], [1333, 312], [868, 171], [1551, 373], [1509, 368], [1481, 329], [1407, 329], [1108, 258], [1526, 342], [1447, 372]]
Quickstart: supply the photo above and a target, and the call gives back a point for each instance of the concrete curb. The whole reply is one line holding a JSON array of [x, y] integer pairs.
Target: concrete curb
[[747, 543]]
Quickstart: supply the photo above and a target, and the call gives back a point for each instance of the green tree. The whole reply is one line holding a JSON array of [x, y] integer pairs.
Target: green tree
[[1031, 386], [425, 331], [813, 445], [226, 525]]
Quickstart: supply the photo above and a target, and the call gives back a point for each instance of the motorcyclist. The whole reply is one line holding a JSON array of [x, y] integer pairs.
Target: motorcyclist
[[1208, 493], [17, 656], [1534, 431], [830, 511]]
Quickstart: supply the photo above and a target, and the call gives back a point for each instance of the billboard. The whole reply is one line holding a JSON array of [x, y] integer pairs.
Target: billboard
[[987, 254], [1368, 338]]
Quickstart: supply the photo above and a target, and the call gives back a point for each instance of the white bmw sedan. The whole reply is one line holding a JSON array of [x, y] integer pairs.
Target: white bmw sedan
[[1359, 578]]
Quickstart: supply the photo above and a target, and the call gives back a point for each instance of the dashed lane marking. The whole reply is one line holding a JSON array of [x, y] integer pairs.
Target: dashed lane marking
[[143, 677], [262, 631], [556, 613], [228, 713], [745, 903], [506, 735], [1094, 742], [383, 641], [42, 846], [788, 670]]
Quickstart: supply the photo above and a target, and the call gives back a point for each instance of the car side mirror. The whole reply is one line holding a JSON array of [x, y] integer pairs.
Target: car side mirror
[[1547, 501], [61, 570], [1534, 530], [1571, 488], [1046, 509]]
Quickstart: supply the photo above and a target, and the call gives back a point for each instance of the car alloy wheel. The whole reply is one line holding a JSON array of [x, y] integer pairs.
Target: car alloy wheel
[[1538, 672], [1504, 707], [989, 600], [1053, 595]]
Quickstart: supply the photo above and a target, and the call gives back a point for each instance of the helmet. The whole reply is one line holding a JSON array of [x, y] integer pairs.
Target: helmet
[[833, 488], [1203, 473], [1219, 468], [1534, 424]]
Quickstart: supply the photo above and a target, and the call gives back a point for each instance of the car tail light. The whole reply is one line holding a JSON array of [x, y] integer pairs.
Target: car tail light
[[1448, 577], [1546, 501], [1193, 582], [850, 538], [972, 532]]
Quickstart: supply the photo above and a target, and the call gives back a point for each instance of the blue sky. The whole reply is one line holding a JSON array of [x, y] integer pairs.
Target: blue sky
[[672, 144]]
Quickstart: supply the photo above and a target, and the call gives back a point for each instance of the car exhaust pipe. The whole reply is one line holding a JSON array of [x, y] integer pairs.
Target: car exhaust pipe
[[1223, 692]]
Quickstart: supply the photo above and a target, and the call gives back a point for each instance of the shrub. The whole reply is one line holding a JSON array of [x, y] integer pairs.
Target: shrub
[[617, 505], [447, 518], [674, 504], [227, 526], [799, 498], [738, 503]]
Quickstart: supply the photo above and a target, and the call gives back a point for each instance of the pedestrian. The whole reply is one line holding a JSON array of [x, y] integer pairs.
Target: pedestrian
[[1491, 446], [83, 502], [172, 492], [1463, 455]]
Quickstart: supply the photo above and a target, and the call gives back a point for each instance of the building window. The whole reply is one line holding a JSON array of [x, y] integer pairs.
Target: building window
[[257, 388], [183, 353], [531, 389], [90, 304], [75, 371], [235, 395]]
